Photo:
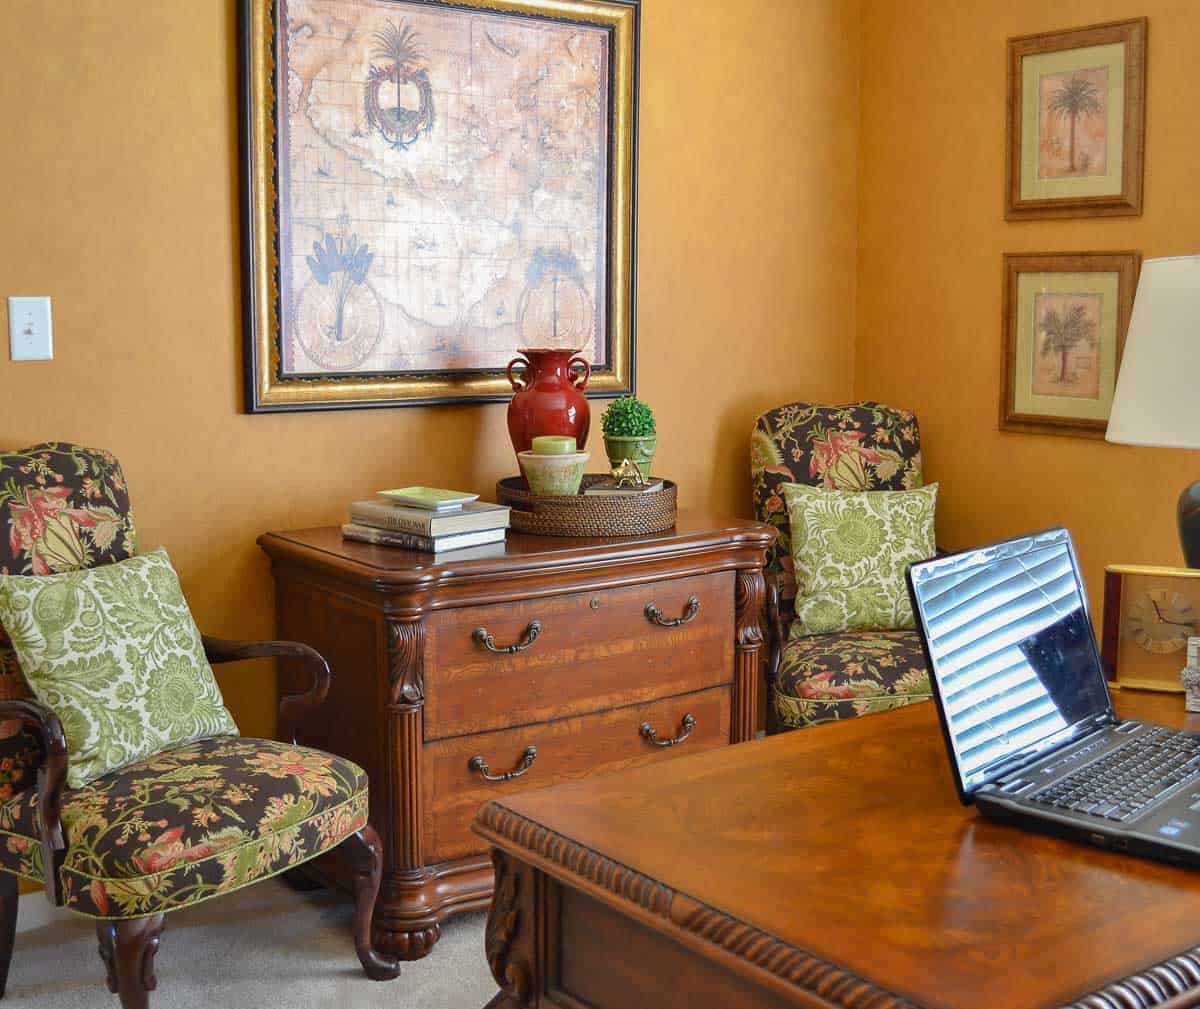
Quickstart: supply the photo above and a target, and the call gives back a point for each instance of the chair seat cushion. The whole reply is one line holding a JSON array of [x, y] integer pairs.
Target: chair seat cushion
[[191, 823], [831, 676]]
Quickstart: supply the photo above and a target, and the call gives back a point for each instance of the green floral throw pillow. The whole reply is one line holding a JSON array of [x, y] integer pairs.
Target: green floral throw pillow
[[115, 653], [850, 550]]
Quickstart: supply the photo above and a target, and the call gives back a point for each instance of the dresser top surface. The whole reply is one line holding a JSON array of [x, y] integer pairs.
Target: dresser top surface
[[324, 547]]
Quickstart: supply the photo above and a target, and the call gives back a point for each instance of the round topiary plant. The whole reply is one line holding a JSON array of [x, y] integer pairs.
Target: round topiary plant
[[628, 417], [629, 432]]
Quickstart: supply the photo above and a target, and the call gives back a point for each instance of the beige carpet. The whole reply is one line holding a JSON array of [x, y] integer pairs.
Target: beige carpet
[[263, 946]]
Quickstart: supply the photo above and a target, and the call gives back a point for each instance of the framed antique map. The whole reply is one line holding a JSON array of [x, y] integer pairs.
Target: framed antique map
[[429, 186], [1065, 319], [1076, 122]]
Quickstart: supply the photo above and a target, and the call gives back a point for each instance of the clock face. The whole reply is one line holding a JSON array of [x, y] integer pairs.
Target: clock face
[[1161, 620]]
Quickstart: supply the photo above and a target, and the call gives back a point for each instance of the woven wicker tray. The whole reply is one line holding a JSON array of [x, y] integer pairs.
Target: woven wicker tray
[[580, 515]]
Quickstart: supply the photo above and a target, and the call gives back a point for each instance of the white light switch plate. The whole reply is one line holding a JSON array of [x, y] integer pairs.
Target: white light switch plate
[[29, 333]]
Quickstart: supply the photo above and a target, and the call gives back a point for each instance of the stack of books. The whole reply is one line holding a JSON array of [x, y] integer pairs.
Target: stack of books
[[427, 519]]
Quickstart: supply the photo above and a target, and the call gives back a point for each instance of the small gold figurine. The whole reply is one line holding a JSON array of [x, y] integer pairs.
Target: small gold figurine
[[628, 474]]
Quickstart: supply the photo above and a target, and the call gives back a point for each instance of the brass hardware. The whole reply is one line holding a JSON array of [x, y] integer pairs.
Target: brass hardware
[[481, 637], [649, 732], [477, 763], [655, 615], [629, 474], [595, 603]]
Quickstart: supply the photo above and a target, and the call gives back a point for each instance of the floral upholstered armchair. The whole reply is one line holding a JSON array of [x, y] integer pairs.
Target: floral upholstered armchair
[[856, 447], [192, 822]]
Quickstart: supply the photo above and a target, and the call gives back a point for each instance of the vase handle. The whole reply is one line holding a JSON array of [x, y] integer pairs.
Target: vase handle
[[517, 383], [580, 381]]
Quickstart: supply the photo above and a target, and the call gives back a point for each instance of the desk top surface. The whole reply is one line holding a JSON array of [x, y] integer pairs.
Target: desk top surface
[[847, 842]]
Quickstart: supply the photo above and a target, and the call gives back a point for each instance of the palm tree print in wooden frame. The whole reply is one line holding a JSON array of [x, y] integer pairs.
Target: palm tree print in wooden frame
[[1076, 122], [1065, 318]]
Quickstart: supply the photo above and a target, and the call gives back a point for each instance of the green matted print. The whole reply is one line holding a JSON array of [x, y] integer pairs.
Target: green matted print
[[1076, 122], [1065, 318]]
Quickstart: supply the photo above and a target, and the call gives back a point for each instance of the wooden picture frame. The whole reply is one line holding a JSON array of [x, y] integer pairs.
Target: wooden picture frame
[[429, 185], [1065, 316], [1076, 141]]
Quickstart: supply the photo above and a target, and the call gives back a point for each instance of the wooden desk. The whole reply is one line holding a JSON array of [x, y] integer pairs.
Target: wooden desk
[[830, 867], [586, 641]]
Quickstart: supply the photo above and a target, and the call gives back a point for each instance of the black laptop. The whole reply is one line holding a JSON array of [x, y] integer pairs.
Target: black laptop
[[1029, 725]]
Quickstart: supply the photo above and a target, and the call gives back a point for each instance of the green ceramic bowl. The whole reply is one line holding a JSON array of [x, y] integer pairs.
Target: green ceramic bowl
[[553, 475]]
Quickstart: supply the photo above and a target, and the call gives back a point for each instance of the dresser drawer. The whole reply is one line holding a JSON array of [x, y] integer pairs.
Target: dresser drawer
[[588, 651], [565, 750]]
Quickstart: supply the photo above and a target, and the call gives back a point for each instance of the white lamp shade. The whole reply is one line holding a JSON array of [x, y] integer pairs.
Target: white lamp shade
[[1157, 399]]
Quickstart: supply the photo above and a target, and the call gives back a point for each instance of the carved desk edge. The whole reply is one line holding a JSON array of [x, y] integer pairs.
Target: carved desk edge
[[753, 537], [1173, 983]]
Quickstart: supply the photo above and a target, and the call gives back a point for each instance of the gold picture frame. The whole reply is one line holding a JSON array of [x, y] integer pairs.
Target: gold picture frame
[[392, 255], [1065, 318], [1076, 122]]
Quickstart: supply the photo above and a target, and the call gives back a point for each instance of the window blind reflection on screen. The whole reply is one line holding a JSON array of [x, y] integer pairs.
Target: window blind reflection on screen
[[1010, 641]]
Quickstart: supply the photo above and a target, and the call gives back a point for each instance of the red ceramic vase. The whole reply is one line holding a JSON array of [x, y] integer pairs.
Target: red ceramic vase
[[549, 397]]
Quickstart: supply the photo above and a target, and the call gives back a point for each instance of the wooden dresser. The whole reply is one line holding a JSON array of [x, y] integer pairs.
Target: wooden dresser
[[460, 681]]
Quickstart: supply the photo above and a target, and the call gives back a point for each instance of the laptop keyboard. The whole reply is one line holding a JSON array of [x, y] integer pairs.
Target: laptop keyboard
[[1123, 782]]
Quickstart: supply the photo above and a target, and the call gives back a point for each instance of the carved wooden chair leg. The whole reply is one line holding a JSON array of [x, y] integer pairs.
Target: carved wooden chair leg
[[365, 854], [127, 949], [8, 924]]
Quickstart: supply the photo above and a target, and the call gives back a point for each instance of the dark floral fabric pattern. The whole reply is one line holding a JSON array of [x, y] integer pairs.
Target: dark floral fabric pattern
[[859, 446], [189, 824], [62, 507], [20, 757], [830, 676]]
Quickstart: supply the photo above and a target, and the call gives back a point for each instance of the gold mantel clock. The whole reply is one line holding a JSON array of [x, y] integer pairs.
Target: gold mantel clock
[[1149, 614]]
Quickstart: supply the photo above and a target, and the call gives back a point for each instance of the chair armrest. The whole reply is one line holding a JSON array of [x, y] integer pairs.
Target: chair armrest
[[776, 632], [292, 707], [776, 636], [52, 778]]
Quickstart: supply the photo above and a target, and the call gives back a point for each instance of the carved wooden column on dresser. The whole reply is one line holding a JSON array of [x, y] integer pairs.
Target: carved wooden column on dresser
[[460, 681]]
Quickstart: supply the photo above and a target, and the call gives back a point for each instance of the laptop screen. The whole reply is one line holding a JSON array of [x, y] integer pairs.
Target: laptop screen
[[1014, 660]]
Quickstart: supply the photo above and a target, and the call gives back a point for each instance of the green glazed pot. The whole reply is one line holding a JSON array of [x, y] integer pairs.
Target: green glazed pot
[[553, 475], [640, 450]]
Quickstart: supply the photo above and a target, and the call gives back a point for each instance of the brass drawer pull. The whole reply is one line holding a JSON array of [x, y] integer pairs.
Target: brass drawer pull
[[655, 615], [481, 637], [649, 732], [480, 765]]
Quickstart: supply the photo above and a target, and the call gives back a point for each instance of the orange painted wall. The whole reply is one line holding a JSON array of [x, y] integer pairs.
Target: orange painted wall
[[931, 237], [120, 186]]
